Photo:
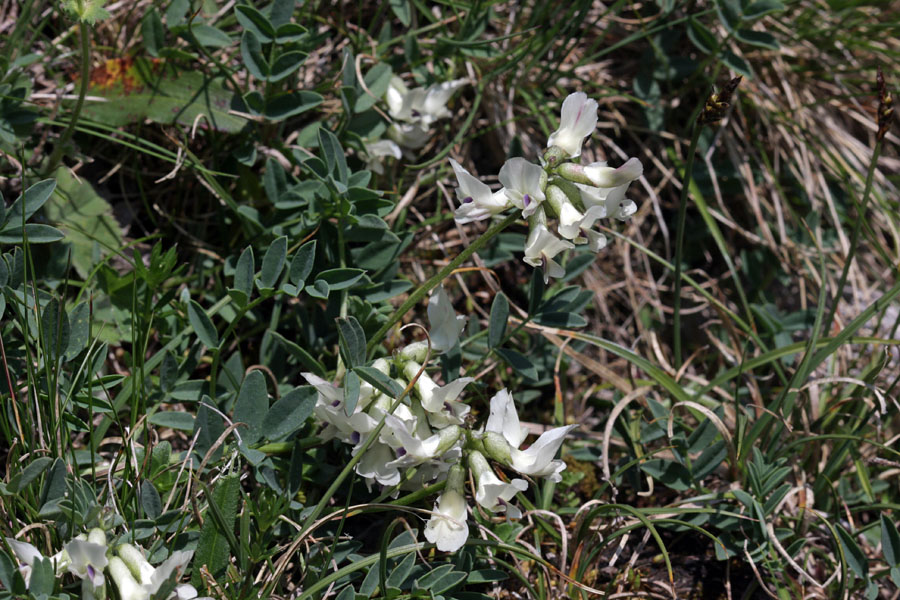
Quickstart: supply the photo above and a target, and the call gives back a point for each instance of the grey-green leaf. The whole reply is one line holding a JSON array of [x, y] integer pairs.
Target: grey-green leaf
[[302, 263], [251, 406], [855, 557], [379, 381], [499, 317], [202, 325], [352, 341], [251, 52], [518, 362], [244, 272], [150, 500], [289, 413], [273, 263], [890, 542], [351, 392]]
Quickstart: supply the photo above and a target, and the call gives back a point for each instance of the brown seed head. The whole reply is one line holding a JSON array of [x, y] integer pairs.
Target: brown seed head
[[717, 103]]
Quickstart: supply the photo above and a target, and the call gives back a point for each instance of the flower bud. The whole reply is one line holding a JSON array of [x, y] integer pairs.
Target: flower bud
[[497, 447]]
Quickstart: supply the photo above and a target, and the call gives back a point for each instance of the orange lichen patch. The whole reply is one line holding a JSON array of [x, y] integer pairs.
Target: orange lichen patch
[[125, 72]]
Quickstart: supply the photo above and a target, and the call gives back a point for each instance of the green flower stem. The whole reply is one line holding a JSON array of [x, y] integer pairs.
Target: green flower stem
[[854, 238], [432, 283], [679, 243], [82, 92]]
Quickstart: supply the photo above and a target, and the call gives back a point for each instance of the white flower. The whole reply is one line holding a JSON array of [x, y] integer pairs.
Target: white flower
[[607, 177], [425, 105], [376, 151], [446, 325], [409, 135], [435, 398], [541, 247], [578, 120], [504, 419], [88, 561], [491, 493], [522, 181], [538, 460], [129, 588], [615, 204], [28, 554], [374, 465], [477, 202], [447, 527], [412, 450], [138, 580]]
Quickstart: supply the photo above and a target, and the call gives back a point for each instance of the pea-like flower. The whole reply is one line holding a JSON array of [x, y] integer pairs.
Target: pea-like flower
[[522, 182], [578, 121], [27, 555], [541, 247], [491, 493], [477, 201], [503, 436], [447, 528]]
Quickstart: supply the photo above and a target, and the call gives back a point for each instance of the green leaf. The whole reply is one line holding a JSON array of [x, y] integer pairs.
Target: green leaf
[[79, 330], [402, 11], [758, 38], [286, 64], [319, 289], [152, 32], [379, 381], [339, 279], [701, 36], [401, 571], [535, 291], [244, 272], [251, 406], [890, 542], [183, 421], [302, 263], [518, 362], [138, 89], [43, 578], [55, 330], [440, 579], [273, 263], [281, 11], [351, 392], [289, 104], [855, 557], [255, 22], [499, 317], [55, 483], [736, 63], [486, 576], [352, 340], [299, 353], [35, 232], [251, 52], [289, 413], [561, 320], [8, 570], [202, 325], [34, 469], [213, 544], [761, 8], [211, 37], [377, 81], [334, 155], [150, 500], [289, 32]]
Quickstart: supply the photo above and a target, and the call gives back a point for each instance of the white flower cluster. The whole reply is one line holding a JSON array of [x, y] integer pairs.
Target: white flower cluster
[[576, 195], [87, 557], [429, 432], [413, 112]]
